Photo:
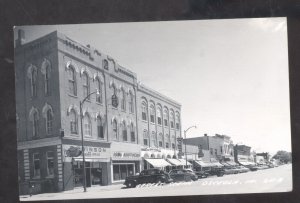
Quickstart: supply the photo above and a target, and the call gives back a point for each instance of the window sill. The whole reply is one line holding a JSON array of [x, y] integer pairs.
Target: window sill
[[152, 123], [145, 121], [99, 103], [72, 95]]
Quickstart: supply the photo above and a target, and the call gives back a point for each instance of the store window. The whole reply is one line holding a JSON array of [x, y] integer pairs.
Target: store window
[[50, 163], [72, 81], [121, 171], [36, 166]]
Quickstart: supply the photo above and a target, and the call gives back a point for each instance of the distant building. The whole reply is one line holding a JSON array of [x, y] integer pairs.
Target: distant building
[[243, 155], [123, 125]]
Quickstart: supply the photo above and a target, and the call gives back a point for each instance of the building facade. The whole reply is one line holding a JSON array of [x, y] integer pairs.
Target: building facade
[[123, 122], [243, 155]]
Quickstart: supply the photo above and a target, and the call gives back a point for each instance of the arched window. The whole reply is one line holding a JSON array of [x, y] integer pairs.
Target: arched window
[[49, 122], [73, 122], [153, 139], [152, 113], [72, 81], [173, 146], [35, 125], [123, 100], [167, 140], [87, 125], [166, 117], [146, 137], [132, 134], [124, 131], [33, 82], [47, 79], [160, 140], [144, 111], [86, 85], [100, 127], [177, 121], [131, 107], [99, 87], [172, 119], [115, 129], [159, 120]]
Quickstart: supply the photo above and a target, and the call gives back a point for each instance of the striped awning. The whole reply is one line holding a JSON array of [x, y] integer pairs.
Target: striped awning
[[158, 163]]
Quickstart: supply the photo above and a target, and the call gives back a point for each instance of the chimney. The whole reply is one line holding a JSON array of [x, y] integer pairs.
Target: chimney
[[21, 38]]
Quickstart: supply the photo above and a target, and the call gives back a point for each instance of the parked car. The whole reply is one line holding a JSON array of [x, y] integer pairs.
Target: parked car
[[242, 169], [148, 176], [182, 175], [230, 170], [262, 166], [218, 171], [202, 174], [251, 167]]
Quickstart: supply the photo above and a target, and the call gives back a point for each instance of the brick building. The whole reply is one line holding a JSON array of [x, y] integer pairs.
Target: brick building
[[123, 125]]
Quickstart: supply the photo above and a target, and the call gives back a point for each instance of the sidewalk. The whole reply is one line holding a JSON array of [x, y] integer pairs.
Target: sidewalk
[[77, 190]]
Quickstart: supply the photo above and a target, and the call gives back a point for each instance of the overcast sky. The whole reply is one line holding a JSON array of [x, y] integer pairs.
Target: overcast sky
[[231, 76]]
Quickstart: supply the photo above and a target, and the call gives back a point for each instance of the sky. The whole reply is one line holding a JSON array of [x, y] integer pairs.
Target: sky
[[230, 76]]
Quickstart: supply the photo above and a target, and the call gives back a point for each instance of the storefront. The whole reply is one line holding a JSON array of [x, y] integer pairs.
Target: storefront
[[97, 162], [125, 161]]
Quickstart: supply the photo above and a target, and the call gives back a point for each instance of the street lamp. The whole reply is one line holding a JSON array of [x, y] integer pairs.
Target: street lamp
[[82, 141], [185, 131]]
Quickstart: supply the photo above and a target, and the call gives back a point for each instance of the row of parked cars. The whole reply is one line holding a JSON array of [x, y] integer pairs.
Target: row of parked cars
[[176, 175]]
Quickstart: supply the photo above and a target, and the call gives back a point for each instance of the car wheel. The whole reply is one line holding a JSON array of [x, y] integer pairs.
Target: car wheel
[[131, 184]]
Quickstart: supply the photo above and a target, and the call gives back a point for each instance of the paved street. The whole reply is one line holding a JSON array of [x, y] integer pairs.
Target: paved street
[[269, 180]]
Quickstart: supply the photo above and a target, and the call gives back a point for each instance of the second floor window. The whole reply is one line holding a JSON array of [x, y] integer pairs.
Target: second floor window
[[132, 134], [152, 114], [123, 100], [115, 129], [86, 85], [72, 81], [159, 122], [146, 137], [153, 139], [131, 107], [166, 117], [49, 122], [99, 87], [144, 111], [124, 131], [47, 79], [35, 124], [34, 82], [100, 127], [73, 122], [87, 125]]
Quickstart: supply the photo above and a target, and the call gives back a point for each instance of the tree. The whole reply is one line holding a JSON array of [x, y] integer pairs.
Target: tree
[[283, 156]]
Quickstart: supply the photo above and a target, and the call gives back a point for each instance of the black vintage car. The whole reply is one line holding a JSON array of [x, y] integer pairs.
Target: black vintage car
[[202, 174], [183, 175], [148, 176], [218, 171]]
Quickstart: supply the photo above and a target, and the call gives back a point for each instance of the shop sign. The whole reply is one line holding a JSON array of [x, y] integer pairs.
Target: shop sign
[[126, 155], [150, 149], [89, 151]]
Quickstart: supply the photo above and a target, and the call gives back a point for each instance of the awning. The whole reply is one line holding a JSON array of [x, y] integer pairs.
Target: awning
[[158, 163], [183, 161], [246, 163], [231, 163], [217, 164], [204, 164], [175, 162], [92, 159], [225, 164]]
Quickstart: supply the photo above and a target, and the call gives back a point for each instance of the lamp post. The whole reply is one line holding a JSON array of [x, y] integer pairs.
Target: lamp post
[[185, 131], [82, 141]]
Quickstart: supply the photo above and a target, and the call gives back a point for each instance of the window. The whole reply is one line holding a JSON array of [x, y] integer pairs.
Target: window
[[146, 137], [105, 64], [153, 139], [99, 87], [100, 127], [33, 82], [172, 119], [160, 138], [50, 163], [173, 146], [115, 129], [216, 152], [123, 100], [167, 145], [124, 131], [131, 107], [177, 121], [132, 134], [166, 115], [87, 125], [73, 122], [159, 116], [72, 81], [152, 114], [35, 125], [47, 79], [221, 149], [49, 122], [211, 151], [160, 143], [86, 85], [144, 111], [36, 166]]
